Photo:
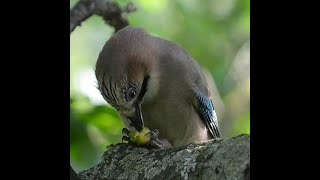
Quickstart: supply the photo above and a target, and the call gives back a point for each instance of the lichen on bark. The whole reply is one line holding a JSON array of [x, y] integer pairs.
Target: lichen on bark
[[221, 159]]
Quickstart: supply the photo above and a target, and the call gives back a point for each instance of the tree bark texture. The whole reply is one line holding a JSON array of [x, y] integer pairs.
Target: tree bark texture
[[220, 159]]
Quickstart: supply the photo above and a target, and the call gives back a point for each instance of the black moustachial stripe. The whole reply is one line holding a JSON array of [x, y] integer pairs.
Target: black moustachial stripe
[[144, 87]]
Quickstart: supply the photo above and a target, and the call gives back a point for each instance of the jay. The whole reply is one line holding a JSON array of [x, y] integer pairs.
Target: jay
[[157, 88]]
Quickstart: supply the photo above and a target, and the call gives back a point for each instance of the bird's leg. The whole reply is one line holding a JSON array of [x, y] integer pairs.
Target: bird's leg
[[157, 143]]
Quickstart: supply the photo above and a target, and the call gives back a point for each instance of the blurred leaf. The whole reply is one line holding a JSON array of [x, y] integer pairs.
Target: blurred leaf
[[82, 152], [242, 124]]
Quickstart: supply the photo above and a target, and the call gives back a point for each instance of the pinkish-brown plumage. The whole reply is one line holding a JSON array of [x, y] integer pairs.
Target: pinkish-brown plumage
[[133, 59]]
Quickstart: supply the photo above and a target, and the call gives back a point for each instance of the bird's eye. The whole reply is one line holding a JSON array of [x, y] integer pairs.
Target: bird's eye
[[131, 94]]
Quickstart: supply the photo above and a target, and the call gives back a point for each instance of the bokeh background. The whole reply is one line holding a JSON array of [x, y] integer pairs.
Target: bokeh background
[[215, 32]]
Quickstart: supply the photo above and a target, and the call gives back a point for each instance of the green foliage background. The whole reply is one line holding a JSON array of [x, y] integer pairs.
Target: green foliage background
[[215, 32]]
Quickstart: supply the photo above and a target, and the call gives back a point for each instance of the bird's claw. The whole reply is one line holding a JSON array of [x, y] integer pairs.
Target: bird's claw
[[153, 134], [155, 142], [125, 131], [125, 138], [125, 135]]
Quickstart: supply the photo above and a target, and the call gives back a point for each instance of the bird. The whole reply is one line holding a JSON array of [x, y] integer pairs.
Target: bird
[[154, 83]]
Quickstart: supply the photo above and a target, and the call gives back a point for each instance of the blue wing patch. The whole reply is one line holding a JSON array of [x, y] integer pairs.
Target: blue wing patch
[[208, 114]]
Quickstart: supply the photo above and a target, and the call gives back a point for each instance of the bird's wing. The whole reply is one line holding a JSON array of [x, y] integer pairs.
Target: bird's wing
[[208, 114]]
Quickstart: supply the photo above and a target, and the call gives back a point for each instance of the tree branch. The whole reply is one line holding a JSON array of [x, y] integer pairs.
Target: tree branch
[[216, 159], [111, 13]]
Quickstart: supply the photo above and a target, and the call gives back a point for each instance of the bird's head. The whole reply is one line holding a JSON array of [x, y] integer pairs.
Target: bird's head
[[125, 71]]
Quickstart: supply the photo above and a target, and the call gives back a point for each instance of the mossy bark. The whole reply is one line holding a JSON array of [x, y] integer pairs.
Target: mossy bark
[[219, 159]]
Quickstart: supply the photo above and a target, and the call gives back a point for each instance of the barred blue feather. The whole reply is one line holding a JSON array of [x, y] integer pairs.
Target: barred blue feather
[[208, 114]]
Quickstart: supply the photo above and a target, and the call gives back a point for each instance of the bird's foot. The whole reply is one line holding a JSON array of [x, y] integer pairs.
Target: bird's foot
[[157, 143], [126, 137], [146, 138]]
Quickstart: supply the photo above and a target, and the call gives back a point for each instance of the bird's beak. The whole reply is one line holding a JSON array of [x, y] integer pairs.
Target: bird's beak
[[137, 120]]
